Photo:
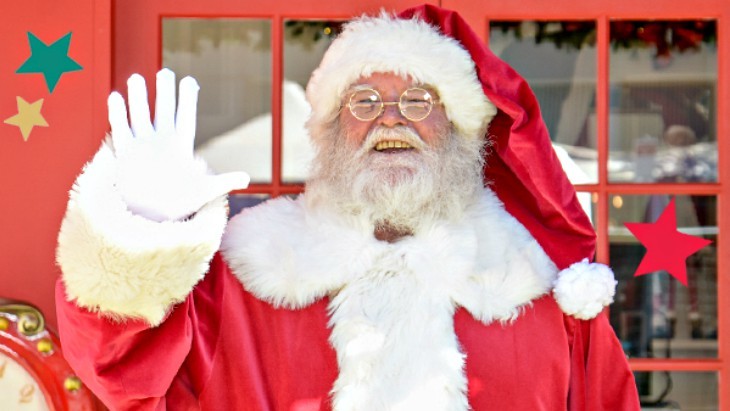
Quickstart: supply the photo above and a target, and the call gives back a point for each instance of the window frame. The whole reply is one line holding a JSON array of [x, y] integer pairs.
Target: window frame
[[603, 12]]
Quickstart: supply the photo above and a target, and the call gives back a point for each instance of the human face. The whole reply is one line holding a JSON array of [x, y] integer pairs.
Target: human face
[[408, 188], [391, 86]]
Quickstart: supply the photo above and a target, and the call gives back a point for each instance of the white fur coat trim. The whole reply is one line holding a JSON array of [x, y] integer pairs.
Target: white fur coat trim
[[292, 256], [487, 263], [584, 289], [123, 265]]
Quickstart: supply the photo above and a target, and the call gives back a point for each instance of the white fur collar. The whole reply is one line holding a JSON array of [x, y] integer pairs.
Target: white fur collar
[[487, 263]]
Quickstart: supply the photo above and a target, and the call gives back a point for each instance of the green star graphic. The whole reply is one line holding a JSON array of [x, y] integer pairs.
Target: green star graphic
[[51, 60]]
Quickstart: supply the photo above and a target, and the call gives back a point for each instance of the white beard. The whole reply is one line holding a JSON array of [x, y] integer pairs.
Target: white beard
[[392, 304], [408, 189]]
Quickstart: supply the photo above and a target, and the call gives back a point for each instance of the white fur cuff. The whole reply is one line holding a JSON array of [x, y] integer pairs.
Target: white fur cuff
[[583, 289], [123, 265]]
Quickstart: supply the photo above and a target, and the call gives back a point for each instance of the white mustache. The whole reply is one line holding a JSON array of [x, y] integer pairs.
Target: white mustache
[[400, 133]]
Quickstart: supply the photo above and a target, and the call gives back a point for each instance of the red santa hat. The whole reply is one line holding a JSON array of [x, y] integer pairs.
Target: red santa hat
[[437, 47], [407, 47]]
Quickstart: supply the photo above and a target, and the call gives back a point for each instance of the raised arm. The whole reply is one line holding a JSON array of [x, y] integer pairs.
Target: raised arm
[[145, 217], [143, 222]]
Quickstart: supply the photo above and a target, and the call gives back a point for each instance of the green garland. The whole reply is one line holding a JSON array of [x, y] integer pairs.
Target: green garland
[[666, 36]]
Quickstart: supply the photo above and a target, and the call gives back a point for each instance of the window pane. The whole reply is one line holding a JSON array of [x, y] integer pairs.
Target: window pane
[[231, 59], [656, 316], [589, 203], [237, 202], [671, 390], [558, 60], [662, 122], [305, 42]]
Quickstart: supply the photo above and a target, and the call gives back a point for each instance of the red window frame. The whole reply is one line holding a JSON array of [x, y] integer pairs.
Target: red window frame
[[603, 12], [137, 48]]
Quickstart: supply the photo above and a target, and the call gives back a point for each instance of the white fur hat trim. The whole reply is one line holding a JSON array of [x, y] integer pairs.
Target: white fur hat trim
[[583, 289], [412, 48]]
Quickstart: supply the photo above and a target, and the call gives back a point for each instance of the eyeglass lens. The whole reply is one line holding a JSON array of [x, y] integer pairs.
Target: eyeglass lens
[[415, 104]]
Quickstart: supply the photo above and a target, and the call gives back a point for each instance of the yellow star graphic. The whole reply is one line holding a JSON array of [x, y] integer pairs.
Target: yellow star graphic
[[29, 116]]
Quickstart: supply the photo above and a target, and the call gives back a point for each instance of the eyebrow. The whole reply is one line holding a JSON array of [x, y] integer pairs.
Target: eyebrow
[[358, 87]]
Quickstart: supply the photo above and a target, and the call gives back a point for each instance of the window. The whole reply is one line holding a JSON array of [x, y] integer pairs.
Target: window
[[633, 99]]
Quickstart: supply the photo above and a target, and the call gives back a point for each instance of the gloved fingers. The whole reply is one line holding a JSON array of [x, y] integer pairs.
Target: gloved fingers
[[121, 133], [186, 111], [165, 103], [224, 183], [139, 109]]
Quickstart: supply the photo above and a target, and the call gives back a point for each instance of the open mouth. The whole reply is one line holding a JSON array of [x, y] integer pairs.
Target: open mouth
[[392, 146]]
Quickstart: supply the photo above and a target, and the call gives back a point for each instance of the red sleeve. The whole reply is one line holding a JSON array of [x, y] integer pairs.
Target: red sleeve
[[127, 364], [600, 376]]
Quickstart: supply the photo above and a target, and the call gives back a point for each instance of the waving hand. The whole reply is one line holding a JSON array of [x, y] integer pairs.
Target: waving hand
[[159, 178]]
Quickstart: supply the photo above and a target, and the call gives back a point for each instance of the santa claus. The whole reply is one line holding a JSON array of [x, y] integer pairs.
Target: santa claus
[[397, 281]]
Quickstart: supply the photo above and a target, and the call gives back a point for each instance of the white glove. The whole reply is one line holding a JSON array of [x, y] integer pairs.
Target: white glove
[[159, 178]]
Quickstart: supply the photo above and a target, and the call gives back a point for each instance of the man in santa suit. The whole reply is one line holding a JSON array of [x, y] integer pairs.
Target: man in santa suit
[[397, 281]]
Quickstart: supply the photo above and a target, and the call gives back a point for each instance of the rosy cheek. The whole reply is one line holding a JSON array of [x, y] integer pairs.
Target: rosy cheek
[[432, 129], [354, 130]]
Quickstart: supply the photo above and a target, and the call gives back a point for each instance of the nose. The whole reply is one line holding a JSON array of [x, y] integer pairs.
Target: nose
[[391, 116]]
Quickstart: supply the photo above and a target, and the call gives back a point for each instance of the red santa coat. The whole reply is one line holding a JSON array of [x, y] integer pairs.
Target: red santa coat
[[224, 349], [458, 313]]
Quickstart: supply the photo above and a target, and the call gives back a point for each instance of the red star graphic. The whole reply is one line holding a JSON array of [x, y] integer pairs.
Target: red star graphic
[[666, 248]]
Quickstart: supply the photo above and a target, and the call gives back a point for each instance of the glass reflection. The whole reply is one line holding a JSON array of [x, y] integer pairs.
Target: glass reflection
[[231, 59], [671, 390], [654, 315], [564, 82], [663, 78]]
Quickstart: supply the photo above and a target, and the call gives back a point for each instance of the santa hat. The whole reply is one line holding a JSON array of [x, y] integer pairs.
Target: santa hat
[[407, 47], [435, 46]]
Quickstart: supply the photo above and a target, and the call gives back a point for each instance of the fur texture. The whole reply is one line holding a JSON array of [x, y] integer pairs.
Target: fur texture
[[487, 262], [385, 44], [583, 289], [123, 265]]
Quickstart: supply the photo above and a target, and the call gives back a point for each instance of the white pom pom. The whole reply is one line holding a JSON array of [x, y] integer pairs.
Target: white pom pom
[[583, 289]]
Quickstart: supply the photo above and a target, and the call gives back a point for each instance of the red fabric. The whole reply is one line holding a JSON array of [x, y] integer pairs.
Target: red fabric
[[223, 349], [522, 166]]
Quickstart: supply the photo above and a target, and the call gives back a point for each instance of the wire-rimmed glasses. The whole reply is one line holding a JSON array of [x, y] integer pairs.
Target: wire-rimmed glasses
[[415, 104]]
